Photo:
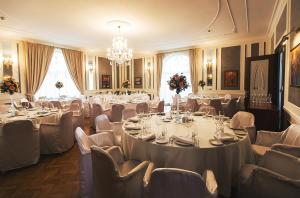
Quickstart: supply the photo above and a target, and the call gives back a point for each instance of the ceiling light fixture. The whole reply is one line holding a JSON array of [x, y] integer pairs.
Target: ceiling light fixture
[[119, 52]]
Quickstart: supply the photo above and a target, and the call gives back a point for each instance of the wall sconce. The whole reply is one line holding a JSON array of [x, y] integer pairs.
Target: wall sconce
[[90, 66], [285, 38]]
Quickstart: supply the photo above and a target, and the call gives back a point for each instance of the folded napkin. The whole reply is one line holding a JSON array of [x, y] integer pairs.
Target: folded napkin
[[133, 127], [184, 139], [134, 119], [147, 137], [227, 137], [199, 113], [20, 113]]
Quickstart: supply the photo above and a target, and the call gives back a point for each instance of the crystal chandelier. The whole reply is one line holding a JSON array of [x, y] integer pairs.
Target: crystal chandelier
[[119, 52]]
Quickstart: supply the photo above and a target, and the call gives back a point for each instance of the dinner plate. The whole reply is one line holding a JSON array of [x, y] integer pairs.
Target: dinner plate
[[240, 132], [134, 132], [215, 142], [182, 143], [162, 140]]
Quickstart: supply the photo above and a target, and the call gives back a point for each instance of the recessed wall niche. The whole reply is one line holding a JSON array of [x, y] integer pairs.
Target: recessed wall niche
[[230, 68]]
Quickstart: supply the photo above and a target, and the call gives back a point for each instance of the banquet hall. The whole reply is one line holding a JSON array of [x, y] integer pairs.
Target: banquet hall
[[150, 99]]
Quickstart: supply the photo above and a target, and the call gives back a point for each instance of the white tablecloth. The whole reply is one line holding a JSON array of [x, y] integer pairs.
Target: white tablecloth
[[225, 161], [37, 119]]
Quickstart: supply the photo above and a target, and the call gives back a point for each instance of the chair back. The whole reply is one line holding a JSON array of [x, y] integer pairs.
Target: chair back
[[230, 108], [128, 113], [293, 136], [216, 103], [105, 172], [192, 105], [97, 110], [242, 120], [208, 109], [66, 129], [227, 97], [176, 183], [116, 112], [19, 145], [56, 104], [161, 106], [77, 101], [141, 107], [85, 163], [102, 123]]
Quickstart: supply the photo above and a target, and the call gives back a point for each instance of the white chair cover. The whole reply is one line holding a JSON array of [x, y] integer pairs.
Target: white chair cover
[[57, 138], [242, 120], [177, 183], [19, 145]]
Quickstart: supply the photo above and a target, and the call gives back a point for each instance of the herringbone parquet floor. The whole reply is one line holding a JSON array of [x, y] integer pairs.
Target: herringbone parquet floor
[[54, 176]]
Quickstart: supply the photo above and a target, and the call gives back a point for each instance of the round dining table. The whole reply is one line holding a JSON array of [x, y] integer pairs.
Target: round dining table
[[224, 160]]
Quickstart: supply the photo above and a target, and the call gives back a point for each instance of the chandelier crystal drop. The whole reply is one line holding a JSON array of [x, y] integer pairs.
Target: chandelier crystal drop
[[119, 52]]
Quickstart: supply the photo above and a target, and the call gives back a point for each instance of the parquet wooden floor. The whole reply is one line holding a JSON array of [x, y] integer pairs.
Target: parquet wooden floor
[[54, 176]]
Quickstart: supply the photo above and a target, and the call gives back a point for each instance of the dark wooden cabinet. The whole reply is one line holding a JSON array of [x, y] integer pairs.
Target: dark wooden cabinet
[[267, 115]]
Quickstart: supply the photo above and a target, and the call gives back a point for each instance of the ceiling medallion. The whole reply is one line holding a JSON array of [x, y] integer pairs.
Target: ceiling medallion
[[119, 52]]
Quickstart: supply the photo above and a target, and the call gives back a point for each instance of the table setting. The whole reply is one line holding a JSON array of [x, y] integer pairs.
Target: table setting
[[196, 143]]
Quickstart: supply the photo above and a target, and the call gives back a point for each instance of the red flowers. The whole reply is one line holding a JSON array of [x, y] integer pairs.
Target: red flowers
[[178, 82], [9, 86]]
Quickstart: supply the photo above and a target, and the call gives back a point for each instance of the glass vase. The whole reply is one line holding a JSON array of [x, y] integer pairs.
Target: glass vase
[[177, 96]]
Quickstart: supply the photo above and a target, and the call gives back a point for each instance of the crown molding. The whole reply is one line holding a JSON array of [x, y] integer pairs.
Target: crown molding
[[277, 11]]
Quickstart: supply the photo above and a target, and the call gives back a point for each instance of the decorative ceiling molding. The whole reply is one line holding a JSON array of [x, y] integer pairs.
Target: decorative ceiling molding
[[246, 14], [279, 5], [216, 16], [234, 30]]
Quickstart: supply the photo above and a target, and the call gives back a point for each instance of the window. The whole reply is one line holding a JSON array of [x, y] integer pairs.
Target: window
[[174, 63], [57, 71]]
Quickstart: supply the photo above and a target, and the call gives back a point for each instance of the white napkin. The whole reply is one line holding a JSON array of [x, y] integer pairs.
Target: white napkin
[[199, 113], [133, 127], [134, 119], [20, 113], [147, 137], [226, 137], [184, 139]]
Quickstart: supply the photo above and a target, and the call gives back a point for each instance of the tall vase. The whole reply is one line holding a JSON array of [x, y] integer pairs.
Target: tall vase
[[177, 96], [126, 91], [13, 110]]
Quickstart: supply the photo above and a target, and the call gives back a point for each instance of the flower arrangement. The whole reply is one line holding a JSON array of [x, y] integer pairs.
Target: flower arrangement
[[202, 84], [126, 84], [59, 85], [178, 82], [9, 85]]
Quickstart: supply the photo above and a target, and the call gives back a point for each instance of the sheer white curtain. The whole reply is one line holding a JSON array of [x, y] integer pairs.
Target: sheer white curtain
[[173, 63], [58, 71]]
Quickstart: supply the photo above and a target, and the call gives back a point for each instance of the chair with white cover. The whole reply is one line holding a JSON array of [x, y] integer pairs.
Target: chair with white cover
[[103, 140], [287, 141], [277, 175], [192, 105], [116, 113], [230, 107], [244, 121], [128, 113], [78, 117], [115, 177], [56, 104], [160, 107], [178, 183], [104, 125], [140, 108], [208, 109], [19, 145], [57, 137], [216, 103], [97, 109]]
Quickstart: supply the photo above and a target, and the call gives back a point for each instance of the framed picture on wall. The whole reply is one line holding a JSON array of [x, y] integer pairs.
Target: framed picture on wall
[[295, 67], [106, 81], [231, 79], [138, 81]]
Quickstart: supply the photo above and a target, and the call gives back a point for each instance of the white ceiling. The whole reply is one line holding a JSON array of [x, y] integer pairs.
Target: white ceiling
[[156, 25]]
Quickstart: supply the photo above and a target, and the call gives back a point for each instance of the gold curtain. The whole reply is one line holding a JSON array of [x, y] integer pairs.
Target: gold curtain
[[159, 59], [37, 60], [74, 60], [194, 69]]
